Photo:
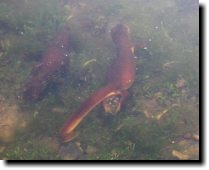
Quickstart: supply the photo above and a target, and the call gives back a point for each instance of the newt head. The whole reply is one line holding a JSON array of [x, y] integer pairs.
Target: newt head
[[119, 34]]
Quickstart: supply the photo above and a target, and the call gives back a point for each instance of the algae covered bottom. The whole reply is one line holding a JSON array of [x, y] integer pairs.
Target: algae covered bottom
[[159, 119]]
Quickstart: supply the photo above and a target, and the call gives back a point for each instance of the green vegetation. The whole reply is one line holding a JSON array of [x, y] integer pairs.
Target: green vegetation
[[31, 150], [166, 80]]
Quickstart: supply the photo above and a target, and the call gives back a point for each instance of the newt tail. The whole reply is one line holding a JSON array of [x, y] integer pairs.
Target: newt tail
[[95, 99]]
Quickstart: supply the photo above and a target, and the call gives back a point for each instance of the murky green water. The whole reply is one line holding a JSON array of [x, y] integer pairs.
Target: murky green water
[[160, 117]]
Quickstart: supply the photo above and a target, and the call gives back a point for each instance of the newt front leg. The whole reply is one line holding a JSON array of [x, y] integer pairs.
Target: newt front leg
[[113, 103]]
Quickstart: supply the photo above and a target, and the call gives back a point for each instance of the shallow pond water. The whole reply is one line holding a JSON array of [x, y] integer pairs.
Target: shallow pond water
[[159, 119]]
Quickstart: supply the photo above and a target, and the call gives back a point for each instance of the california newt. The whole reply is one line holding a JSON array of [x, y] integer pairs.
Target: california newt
[[120, 78], [54, 61]]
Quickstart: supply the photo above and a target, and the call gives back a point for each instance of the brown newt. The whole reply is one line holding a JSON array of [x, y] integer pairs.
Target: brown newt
[[120, 78], [54, 61]]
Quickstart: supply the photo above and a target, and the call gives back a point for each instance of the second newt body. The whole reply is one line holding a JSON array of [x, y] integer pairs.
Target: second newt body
[[54, 61]]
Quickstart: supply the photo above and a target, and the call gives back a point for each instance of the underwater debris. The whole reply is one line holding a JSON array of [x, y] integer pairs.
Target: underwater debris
[[169, 64], [187, 136], [146, 113], [180, 155], [78, 145], [89, 62], [35, 114], [121, 125], [152, 109], [2, 148], [71, 12], [11, 119], [195, 136], [159, 116], [188, 149], [69, 152], [180, 83], [5, 44], [90, 150], [50, 142], [68, 157], [59, 110]]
